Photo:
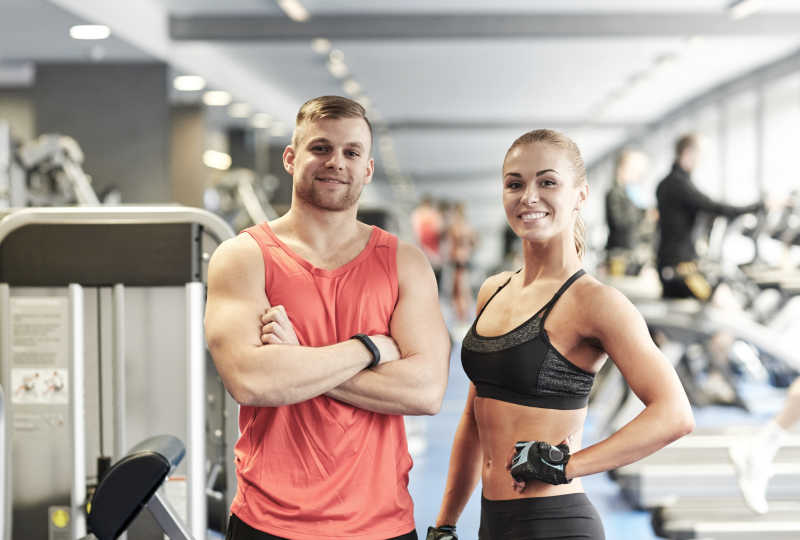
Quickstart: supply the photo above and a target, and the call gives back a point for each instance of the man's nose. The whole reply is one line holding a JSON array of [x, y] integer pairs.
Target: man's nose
[[336, 161]]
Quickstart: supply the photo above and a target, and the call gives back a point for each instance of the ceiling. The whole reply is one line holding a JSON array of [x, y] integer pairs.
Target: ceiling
[[451, 82]]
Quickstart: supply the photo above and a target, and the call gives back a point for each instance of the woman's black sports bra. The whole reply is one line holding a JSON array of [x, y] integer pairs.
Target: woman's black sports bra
[[522, 366]]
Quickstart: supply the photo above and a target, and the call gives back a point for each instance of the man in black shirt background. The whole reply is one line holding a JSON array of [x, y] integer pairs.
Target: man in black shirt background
[[679, 203]]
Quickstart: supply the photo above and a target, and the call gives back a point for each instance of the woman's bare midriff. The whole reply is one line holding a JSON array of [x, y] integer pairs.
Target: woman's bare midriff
[[502, 424]]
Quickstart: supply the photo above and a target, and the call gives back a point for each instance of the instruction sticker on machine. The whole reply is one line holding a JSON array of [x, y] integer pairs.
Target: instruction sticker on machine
[[40, 386], [39, 350]]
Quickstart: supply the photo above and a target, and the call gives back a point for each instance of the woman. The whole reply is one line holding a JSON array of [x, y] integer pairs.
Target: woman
[[540, 336]]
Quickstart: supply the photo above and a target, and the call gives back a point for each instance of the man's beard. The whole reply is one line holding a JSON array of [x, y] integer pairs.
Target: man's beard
[[328, 201]]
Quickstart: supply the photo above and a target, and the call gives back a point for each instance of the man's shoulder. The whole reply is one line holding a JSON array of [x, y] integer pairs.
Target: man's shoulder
[[234, 250]]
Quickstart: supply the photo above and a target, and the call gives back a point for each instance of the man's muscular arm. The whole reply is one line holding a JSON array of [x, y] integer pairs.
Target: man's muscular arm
[[278, 374], [416, 383]]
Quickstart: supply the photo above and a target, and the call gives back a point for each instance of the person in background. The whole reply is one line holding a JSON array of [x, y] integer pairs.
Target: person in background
[[460, 242], [752, 458], [428, 226], [626, 213], [679, 205]]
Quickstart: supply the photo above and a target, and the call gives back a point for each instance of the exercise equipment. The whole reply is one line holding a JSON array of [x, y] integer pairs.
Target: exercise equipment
[[132, 484], [101, 340]]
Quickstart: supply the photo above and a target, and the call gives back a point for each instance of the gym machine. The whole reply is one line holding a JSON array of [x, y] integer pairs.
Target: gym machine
[[43, 172], [133, 483], [101, 341]]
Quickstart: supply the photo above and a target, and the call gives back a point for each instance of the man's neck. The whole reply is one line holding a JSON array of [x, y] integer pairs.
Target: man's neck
[[321, 231]]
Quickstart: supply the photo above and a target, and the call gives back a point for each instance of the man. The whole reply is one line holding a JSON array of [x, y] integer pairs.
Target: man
[[354, 339], [679, 203], [626, 215]]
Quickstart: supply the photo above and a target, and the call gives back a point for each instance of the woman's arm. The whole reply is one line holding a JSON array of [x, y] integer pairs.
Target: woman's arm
[[620, 328], [465, 465]]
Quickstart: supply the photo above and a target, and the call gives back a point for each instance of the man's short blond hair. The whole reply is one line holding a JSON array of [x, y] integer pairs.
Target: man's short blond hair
[[328, 107]]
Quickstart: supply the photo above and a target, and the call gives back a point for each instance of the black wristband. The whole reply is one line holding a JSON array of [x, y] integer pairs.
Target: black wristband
[[370, 345]]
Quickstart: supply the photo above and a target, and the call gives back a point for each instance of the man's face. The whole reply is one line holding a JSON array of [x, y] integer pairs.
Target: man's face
[[690, 157], [330, 163]]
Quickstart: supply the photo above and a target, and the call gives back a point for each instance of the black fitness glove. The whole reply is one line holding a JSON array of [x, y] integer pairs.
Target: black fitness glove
[[445, 532], [537, 460]]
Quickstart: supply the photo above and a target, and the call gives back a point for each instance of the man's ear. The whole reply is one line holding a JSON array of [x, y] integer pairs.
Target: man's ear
[[288, 159], [370, 171]]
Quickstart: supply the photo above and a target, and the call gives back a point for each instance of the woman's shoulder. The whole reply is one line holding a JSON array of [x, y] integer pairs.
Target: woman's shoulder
[[596, 298], [491, 284]]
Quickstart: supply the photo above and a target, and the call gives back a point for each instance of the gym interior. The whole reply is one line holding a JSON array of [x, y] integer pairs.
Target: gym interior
[[136, 137]]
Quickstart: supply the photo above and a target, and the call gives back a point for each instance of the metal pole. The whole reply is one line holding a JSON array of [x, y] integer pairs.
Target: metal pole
[[118, 359], [168, 519], [196, 410], [5, 447], [78, 491]]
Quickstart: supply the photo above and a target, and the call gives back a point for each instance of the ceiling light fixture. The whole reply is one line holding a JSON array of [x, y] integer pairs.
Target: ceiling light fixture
[[351, 87], [321, 45], [89, 31], [278, 129], [189, 83], [338, 69], [739, 9], [217, 160], [261, 120], [364, 101], [217, 98], [294, 10], [239, 110]]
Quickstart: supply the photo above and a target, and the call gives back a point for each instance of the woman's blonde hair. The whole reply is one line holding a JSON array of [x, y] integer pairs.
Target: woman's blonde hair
[[560, 140]]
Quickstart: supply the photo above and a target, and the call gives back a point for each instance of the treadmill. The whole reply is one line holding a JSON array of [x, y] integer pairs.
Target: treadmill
[[727, 519], [697, 467]]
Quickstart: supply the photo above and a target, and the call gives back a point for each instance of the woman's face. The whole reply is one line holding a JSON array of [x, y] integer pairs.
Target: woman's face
[[540, 195]]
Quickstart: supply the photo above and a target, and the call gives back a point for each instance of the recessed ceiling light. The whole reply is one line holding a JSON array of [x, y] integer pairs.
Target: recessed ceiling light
[[89, 31], [364, 101], [189, 83], [261, 120], [351, 87], [217, 98], [294, 10], [239, 110], [336, 55], [321, 45], [739, 9], [338, 69], [278, 129], [217, 160]]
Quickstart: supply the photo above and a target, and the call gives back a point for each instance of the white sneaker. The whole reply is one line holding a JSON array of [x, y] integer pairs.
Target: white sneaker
[[752, 477]]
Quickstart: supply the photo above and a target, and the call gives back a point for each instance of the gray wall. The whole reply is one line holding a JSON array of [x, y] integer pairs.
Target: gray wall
[[188, 138], [16, 107], [119, 114]]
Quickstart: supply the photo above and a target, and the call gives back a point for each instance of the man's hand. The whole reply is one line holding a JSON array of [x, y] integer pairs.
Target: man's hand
[[276, 328], [538, 460]]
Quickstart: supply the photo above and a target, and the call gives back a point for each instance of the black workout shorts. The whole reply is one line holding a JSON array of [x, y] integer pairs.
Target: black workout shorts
[[566, 517], [239, 530]]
